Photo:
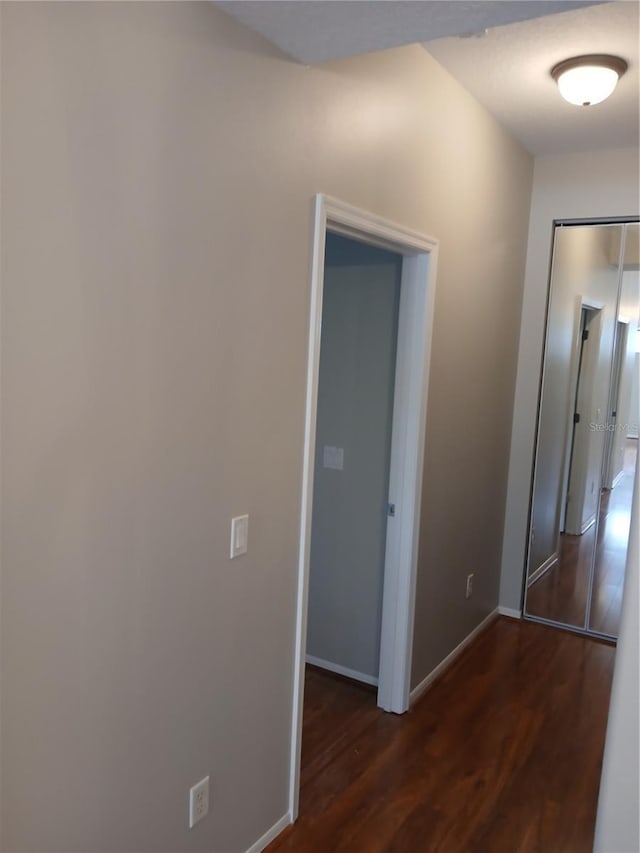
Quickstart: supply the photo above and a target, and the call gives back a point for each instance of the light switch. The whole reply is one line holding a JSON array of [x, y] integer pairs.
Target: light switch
[[239, 535], [333, 457]]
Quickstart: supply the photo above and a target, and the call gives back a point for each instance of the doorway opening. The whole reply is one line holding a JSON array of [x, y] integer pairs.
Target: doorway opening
[[582, 493], [618, 411], [384, 661], [356, 383]]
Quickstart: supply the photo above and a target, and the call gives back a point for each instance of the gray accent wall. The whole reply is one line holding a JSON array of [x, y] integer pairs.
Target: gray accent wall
[[159, 163], [355, 407]]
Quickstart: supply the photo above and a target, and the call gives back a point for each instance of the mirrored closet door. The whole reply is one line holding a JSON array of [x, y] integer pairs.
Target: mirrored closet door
[[587, 436]]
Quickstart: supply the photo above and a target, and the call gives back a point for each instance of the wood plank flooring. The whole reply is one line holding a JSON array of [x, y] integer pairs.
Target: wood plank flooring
[[503, 753], [611, 555], [561, 593]]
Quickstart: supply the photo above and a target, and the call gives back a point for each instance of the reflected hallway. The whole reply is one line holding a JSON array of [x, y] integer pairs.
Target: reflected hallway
[[561, 593]]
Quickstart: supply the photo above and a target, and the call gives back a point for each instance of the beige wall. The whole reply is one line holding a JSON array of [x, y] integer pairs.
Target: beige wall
[[158, 164], [578, 186]]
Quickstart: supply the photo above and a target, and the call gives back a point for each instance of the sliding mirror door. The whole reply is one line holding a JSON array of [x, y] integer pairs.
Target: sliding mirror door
[[587, 430], [621, 450]]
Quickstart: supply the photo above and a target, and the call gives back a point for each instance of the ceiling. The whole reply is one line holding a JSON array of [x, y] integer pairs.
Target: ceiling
[[507, 70], [499, 50], [314, 31]]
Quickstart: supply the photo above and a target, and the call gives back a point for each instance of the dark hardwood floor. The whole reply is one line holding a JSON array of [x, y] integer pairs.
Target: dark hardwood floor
[[561, 593], [502, 754]]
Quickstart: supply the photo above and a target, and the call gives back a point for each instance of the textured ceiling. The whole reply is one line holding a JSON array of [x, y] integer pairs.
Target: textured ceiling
[[313, 31], [507, 70], [500, 51]]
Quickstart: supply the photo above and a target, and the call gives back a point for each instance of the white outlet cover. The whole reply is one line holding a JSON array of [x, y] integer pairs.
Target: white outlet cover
[[333, 457], [198, 801]]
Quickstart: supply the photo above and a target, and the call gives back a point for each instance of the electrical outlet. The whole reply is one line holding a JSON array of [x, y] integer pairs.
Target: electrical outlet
[[469, 590], [198, 801]]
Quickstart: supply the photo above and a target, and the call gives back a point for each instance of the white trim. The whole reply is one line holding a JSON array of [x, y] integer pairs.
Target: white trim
[[510, 612], [271, 834], [417, 298], [543, 569], [415, 321], [343, 218], [417, 691], [588, 523], [311, 406], [620, 475], [342, 670]]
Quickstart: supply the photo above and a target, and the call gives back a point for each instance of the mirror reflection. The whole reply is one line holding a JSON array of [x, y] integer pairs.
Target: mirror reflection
[[587, 430]]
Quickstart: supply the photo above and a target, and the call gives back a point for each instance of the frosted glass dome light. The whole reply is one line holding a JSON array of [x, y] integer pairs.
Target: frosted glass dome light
[[588, 80]]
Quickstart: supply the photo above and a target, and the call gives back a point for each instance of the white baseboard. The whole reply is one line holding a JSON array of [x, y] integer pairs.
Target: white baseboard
[[510, 612], [617, 479], [271, 834], [543, 569], [342, 670], [584, 527], [446, 663]]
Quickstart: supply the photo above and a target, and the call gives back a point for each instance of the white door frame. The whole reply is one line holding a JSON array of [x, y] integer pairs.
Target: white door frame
[[417, 296], [597, 307]]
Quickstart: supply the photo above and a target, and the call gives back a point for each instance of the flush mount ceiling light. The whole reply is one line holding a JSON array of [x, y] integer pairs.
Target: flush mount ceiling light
[[588, 80]]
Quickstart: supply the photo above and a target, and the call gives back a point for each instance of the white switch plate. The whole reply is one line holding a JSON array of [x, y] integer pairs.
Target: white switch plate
[[198, 801], [239, 535], [469, 589], [333, 457]]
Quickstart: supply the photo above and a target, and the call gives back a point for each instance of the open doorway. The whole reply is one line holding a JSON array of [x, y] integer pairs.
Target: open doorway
[[584, 462], [407, 307], [356, 386], [619, 409]]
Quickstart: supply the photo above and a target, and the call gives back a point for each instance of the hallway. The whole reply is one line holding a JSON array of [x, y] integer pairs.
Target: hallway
[[561, 593], [503, 753], [611, 556]]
